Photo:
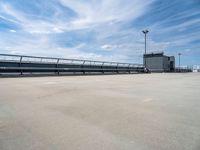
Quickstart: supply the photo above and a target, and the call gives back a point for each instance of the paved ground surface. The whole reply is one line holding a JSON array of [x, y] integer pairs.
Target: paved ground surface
[[121, 112]]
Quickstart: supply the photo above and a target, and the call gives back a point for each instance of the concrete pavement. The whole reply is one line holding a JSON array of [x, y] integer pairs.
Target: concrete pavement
[[113, 112]]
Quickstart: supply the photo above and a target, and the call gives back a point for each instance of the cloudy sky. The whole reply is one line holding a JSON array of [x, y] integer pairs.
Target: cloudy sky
[[100, 29]]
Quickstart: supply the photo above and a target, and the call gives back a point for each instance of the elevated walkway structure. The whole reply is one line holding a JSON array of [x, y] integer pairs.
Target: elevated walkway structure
[[26, 65]]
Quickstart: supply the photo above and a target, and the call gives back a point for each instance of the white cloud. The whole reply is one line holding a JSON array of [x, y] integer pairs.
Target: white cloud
[[91, 13], [13, 31], [58, 30], [107, 46], [105, 18]]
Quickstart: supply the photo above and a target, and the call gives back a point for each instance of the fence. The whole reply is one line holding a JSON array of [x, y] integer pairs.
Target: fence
[[18, 64]]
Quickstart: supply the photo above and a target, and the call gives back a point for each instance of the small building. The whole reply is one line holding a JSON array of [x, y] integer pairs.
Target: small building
[[158, 62]]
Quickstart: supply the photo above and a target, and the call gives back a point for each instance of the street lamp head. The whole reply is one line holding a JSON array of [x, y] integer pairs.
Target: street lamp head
[[179, 54], [145, 31]]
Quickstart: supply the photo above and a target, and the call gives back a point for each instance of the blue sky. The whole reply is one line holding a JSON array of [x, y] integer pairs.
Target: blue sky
[[101, 29]]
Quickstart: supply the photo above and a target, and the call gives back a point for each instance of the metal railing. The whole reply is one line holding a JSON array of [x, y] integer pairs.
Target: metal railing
[[183, 69], [24, 64]]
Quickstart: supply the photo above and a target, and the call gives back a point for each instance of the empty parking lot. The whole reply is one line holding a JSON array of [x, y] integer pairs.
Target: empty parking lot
[[111, 112]]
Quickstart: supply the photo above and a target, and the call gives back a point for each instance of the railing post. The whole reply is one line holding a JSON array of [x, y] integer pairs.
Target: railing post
[[20, 65], [57, 63], [83, 67], [102, 67], [129, 68], [117, 68]]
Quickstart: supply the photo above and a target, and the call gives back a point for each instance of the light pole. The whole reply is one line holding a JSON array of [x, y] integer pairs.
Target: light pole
[[179, 60], [145, 36]]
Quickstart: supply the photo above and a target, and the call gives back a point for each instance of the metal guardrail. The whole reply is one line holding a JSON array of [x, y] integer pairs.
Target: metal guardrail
[[183, 69], [29, 64]]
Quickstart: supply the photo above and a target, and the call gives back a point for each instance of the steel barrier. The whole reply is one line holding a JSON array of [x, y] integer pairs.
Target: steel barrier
[[19, 64]]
